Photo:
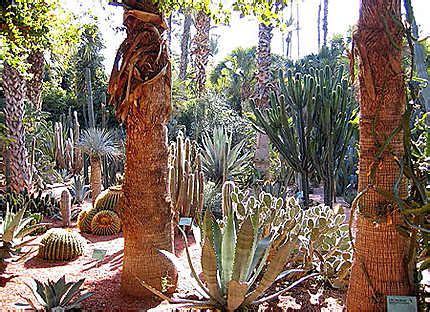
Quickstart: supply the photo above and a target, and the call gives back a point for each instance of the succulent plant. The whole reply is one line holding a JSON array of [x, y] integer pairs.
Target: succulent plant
[[14, 228], [108, 199], [84, 223], [66, 207], [79, 190], [186, 179], [326, 245], [61, 244], [36, 202], [105, 222], [57, 296]]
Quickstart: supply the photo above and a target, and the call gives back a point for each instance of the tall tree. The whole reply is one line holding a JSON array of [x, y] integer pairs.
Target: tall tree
[[262, 92], [319, 25], [201, 49], [185, 45], [34, 84], [380, 266], [140, 88], [325, 23]]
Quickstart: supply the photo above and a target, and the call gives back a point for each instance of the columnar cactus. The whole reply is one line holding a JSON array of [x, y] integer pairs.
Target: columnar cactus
[[66, 207], [105, 222], [186, 179], [61, 244]]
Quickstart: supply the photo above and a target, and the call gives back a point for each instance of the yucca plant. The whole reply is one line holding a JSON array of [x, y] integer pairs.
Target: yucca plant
[[247, 252], [57, 296], [79, 190], [220, 158], [14, 228], [98, 143]]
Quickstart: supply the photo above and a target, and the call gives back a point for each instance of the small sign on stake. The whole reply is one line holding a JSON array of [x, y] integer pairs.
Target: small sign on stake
[[186, 221], [99, 254], [401, 304]]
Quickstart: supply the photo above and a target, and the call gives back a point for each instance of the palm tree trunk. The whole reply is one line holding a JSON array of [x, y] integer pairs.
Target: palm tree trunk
[[380, 265], [325, 23], [319, 25], [145, 208], [18, 167], [96, 177], [185, 45], [262, 90], [201, 49], [34, 85]]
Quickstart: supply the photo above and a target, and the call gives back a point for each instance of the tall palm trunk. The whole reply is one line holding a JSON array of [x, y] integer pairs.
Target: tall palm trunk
[[380, 266], [319, 25], [96, 177], [201, 49], [14, 90], [143, 102], [185, 45], [34, 85], [262, 90], [325, 23]]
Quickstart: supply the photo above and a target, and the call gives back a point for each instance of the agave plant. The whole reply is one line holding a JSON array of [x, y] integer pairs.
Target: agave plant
[[14, 228], [57, 296], [247, 252], [98, 143], [79, 190], [221, 160]]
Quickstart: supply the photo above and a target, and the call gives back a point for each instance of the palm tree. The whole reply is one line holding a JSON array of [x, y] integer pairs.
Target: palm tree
[[380, 265], [185, 45], [34, 85], [18, 170], [201, 49], [140, 89], [98, 143], [262, 90]]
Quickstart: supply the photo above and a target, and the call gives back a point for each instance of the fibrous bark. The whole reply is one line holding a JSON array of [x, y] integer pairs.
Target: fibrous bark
[[140, 89], [262, 91], [34, 84], [185, 45], [380, 266], [201, 49], [96, 177], [18, 167]]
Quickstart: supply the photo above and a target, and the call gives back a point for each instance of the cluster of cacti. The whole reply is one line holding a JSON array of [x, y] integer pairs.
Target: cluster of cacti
[[186, 179], [66, 207], [67, 155], [106, 201], [34, 202], [326, 245], [105, 222], [247, 251], [289, 122], [61, 244], [335, 107]]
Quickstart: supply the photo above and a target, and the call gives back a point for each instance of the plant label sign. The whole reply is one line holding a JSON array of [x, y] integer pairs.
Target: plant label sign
[[186, 221], [99, 254], [401, 304]]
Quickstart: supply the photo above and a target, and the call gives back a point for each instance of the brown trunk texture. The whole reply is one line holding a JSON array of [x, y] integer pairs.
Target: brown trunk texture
[[96, 177], [143, 101], [185, 46], [34, 84], [201, 49], [262, 91], [381, 254], [18, 167]]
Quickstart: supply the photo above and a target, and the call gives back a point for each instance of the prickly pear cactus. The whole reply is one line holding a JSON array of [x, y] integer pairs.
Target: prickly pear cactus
[[105, 222], [61, 244], [66, 207]]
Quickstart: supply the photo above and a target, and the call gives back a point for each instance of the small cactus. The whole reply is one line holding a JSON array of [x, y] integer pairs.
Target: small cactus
[[66, 207], [108, 199], [105, 222], [85, 218], [61, 244]]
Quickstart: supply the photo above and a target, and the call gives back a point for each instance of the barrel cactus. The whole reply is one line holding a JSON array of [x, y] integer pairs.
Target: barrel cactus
[[84, 220], [108, 199], [105, 222], [61, 244]]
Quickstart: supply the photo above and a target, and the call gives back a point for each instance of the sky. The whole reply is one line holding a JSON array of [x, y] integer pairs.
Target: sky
[[243, 32]]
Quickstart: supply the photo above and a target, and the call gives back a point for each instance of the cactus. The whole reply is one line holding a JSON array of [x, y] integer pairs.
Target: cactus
[[289, 123], [84, 219], [108, 199], [105, 222], [61, 244], [66, 207], [186, 179]]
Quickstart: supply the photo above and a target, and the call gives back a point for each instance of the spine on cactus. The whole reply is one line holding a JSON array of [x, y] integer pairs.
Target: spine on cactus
[[66, 207], [109, 198], [105, 222], [61, 244], [186, 179]]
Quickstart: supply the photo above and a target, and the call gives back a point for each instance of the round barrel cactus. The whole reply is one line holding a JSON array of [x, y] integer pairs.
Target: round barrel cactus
[[108, 199], [61, 244], [105, 222]]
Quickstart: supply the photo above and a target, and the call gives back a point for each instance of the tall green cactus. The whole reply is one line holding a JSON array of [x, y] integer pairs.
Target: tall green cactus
[[186, 179], [289, 122], [335, 108]]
